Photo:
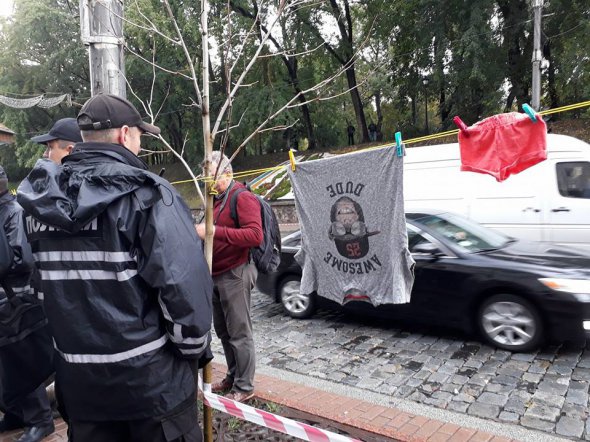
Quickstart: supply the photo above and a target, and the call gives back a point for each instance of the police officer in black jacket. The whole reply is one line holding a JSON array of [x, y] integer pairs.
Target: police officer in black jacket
[[127, 290], [31, 410]]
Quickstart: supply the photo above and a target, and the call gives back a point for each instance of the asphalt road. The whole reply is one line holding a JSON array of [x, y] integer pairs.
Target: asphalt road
[[547, 391]]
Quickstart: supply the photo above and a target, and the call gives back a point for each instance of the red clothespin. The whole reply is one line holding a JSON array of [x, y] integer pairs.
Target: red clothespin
[[462, 126]]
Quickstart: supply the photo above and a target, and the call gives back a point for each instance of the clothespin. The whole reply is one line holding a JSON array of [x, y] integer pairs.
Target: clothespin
[[399, 144], [461, 125], [211, 185], [530, 112], [292, 160]]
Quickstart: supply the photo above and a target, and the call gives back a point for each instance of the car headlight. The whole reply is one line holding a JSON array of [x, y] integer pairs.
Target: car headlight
[[580, 288]]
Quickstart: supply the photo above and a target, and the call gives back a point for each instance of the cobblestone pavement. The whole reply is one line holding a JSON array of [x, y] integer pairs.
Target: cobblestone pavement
[[545, 390]]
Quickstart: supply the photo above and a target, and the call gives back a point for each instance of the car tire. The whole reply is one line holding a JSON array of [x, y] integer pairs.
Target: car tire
[[511, 323], [294, 303]]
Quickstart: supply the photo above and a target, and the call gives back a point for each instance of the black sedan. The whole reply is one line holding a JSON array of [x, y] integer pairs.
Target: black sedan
[[516, 294]]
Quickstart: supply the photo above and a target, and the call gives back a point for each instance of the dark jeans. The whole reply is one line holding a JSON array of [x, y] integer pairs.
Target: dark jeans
[[233, 325]]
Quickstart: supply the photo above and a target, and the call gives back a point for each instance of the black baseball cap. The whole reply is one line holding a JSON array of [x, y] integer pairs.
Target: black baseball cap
[[65, 129], [352, 247], [106, 111]]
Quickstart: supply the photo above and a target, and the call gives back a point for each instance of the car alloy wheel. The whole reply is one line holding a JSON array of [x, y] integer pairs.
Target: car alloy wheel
[[511, 323], [295, 304]]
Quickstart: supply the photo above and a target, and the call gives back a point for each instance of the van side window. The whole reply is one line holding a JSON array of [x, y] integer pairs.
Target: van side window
[[573, 179]]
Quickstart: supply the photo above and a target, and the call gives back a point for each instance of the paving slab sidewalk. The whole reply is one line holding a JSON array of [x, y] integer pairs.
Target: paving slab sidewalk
[[386, 423], [382, 422], [384, 417]]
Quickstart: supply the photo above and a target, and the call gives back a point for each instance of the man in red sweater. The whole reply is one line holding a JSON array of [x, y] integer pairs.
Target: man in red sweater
[[234, 276]]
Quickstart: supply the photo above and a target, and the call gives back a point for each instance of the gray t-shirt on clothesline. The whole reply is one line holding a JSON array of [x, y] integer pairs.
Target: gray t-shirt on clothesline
[[354, 243]]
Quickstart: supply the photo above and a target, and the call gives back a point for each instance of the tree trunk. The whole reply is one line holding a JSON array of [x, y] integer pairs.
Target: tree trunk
[[509, 100], [357, 103], [379, 111], [443, 107], [305, 113], [518, 50], [343, 53], [290, 63], [306, 120], [551, 86]]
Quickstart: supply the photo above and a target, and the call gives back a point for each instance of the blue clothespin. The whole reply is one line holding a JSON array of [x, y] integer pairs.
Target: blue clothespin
[[398, 143], [530, 112]]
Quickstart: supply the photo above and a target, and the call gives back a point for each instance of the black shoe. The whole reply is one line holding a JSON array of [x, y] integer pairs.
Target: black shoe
[[9, 425], [36, 434]]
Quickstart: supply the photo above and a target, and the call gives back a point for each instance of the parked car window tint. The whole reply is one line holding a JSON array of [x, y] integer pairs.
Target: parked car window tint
[[573, 179], [469, 236], [414, 238]]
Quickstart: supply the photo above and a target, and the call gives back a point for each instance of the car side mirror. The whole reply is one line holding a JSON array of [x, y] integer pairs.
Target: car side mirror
[[427, 248]]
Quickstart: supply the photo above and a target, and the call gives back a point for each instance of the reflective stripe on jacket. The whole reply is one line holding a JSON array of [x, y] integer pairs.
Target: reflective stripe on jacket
[[125, 285]]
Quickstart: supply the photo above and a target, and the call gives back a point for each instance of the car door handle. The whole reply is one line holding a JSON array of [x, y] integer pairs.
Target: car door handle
[[532, 209], [561, 209]]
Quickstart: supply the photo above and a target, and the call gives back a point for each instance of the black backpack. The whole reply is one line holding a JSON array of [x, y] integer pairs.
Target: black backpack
[[267, 256]]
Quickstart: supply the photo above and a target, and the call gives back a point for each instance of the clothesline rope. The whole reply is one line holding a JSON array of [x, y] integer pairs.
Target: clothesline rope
[[410, 141]]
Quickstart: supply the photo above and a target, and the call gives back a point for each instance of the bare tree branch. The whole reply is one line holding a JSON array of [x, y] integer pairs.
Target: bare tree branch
[[186, 53], [246, 70], [177, 73]]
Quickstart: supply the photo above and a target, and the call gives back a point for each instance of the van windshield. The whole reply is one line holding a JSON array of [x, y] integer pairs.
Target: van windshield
[[573, 179], [464, 233]]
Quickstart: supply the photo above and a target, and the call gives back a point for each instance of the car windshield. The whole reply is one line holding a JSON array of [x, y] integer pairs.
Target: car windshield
[[292, 240], [464, 233]]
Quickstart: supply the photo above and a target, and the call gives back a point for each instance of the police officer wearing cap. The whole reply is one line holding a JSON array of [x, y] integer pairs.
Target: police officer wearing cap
[[59, 142], [60, 139], [31, 410], [126, 287]]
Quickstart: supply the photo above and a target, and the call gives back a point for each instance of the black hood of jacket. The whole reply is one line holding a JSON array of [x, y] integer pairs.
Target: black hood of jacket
[[6, 197], [70, 195]]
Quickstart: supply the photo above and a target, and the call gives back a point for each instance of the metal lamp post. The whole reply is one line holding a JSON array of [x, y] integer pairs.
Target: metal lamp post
[[537, 55], [101, 24]]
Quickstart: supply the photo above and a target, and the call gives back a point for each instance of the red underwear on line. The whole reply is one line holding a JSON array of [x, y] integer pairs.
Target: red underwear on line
[[503, 145]]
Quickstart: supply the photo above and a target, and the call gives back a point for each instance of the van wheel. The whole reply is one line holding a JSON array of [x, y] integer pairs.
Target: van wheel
[[294, 303], [510, 323]]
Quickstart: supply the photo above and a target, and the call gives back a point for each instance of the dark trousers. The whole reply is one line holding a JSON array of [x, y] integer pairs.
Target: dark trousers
[[181, 425], [30, 410], [233, 325]]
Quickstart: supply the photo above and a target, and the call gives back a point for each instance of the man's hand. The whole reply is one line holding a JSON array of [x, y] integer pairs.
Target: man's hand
[[201, 230]]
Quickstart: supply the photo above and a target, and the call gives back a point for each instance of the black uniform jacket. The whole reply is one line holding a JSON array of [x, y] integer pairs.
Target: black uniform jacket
[[11, 220], [126, 288]]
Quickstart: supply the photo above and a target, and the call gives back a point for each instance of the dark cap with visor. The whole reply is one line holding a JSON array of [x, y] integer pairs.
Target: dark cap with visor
[[106, 111], [65, 129]]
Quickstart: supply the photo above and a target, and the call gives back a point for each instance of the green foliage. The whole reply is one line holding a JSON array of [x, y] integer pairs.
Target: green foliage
[[475, 55], [41, 53], [282, 189], [566, 42]]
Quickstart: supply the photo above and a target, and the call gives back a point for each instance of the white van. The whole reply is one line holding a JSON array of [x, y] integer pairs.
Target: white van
[[548, 202]]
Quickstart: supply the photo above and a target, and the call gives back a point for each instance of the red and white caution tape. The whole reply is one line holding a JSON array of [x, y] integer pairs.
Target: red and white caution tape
[[273, 421]]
